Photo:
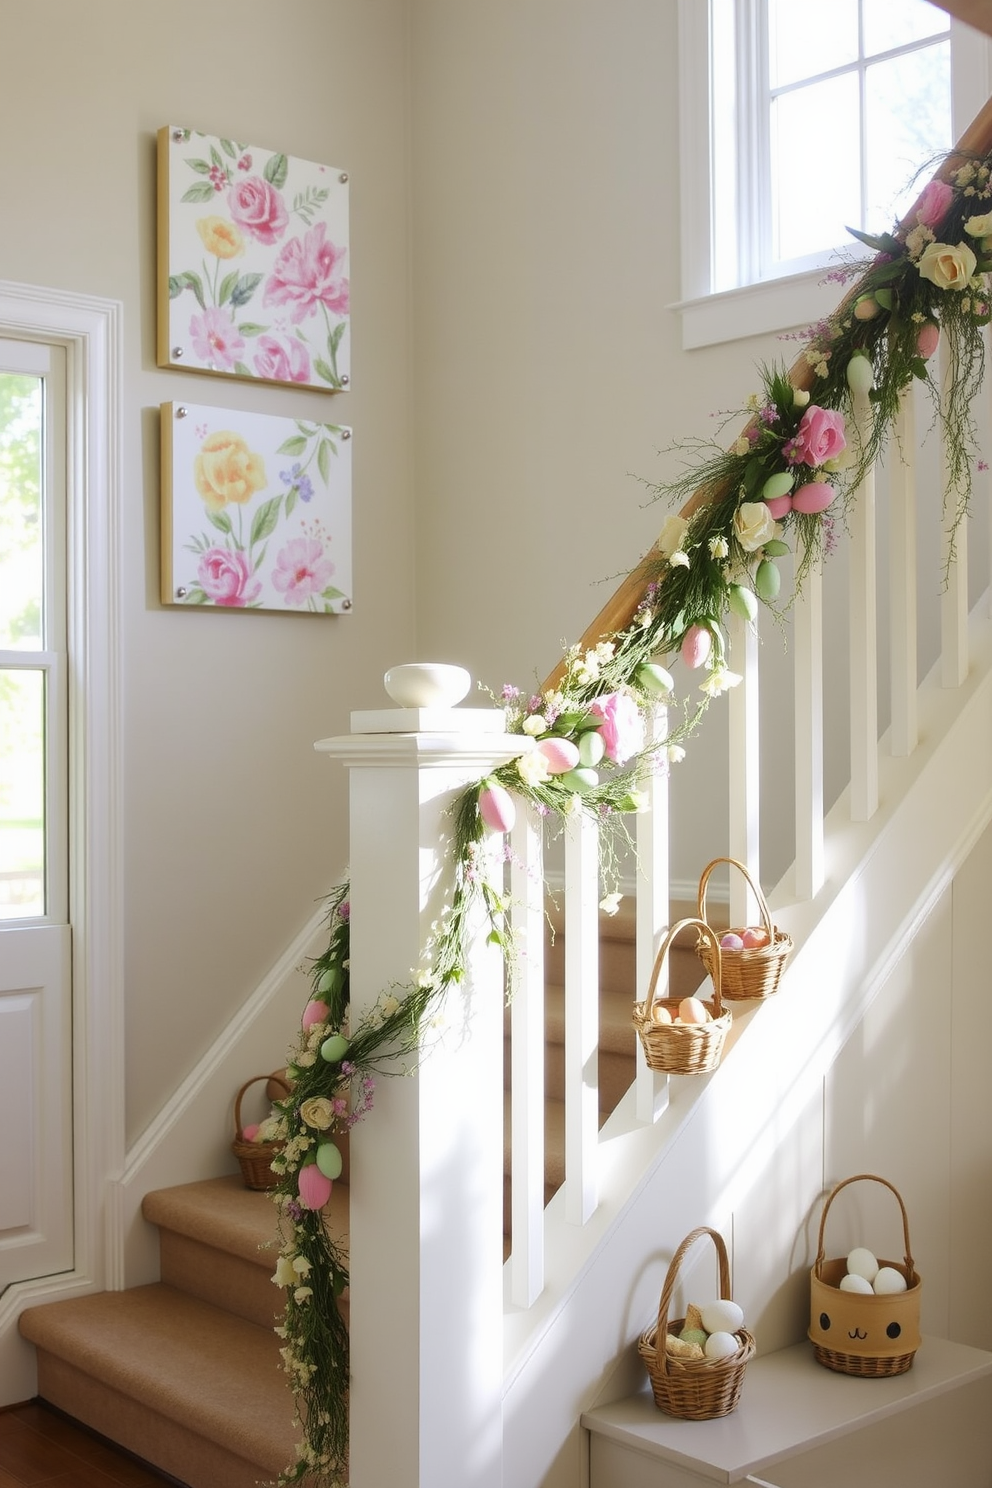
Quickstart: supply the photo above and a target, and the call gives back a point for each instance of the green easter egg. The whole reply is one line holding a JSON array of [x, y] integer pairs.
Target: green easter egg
[[329, 1160], [775, 548], [767, 580], [334, 1049], [655, 680], [331, 980], [742, 602], [591, 748], [580, 780], [779, 484]]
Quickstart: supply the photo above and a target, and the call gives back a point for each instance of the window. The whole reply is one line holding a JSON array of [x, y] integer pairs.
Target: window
[[816, 118]]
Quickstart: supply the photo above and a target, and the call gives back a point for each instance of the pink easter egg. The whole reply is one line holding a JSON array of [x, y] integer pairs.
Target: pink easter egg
[[731, 941], [250, 1132], [753, 937], [812, 498], [561, 755], [315, 1012], [496, 807], [780, 506], [314, 1189], [696, 645]]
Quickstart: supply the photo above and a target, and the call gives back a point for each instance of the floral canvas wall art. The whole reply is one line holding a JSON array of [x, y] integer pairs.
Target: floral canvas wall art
[[256, 511], [253, 262]]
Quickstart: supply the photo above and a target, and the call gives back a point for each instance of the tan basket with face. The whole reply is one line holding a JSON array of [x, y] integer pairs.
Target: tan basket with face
[[858, 1333]]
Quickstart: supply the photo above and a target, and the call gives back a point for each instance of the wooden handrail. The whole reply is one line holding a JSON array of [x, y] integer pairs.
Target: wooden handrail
[[618, 612]]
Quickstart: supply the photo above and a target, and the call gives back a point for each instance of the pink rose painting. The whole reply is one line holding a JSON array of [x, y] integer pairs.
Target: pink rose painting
[[256, 512], [255, 282]]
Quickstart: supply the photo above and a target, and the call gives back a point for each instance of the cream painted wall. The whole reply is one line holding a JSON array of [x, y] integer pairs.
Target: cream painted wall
[[234, 828]]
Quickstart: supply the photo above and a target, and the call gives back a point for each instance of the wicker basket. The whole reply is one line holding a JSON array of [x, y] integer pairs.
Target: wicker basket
[[255, 1157], [683, 1048], [753, 972], [857, 1333], [694, 1389]]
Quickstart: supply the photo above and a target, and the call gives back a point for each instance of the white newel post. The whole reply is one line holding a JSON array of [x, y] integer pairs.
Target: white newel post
[[426, 1195]]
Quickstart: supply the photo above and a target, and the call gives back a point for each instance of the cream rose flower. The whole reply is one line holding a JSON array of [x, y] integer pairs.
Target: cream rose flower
[[671, 535], [533, 768], [754, 525], [317, 1112], [979, 227], [947, 265]]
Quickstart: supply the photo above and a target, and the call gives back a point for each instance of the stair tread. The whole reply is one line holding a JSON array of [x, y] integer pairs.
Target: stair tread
[[223, 1213], [211, 1372]]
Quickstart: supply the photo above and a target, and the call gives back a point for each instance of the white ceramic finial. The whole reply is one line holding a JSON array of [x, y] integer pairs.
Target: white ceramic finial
[[427, 684]]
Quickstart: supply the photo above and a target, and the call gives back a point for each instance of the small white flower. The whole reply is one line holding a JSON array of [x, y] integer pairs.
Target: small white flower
[[719, 547], [301, 1265], [534, 724], [605, 650], [675, 753], [719, 680], [390, 1005], [610, 904], [574, 807], [533, 768], [284, 1273], [800, 398], [638, 800], [740, 446], [678, 559], [303, 1294]]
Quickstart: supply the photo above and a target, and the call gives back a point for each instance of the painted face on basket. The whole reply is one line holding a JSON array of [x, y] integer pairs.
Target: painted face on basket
[[892, 1330]]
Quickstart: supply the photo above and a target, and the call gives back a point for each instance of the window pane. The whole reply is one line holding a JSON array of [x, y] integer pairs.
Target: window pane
[[803, 41], [889, 25], [22, 794], [907, 121], [21, 536], [815, 190]]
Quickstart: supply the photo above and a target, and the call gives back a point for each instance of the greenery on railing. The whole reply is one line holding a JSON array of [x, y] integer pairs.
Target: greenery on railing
[[584, 747]]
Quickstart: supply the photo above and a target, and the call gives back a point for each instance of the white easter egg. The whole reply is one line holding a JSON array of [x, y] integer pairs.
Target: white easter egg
[[852, 1282], [721, 1345], [660, 1013], [861, 1262], [722, 1316], [888, 1280], [691, 1010]]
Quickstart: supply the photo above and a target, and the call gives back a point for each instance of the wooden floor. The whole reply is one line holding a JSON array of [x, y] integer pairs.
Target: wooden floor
[[41, 1448]]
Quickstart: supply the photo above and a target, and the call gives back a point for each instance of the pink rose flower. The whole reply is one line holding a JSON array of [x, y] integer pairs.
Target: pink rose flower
[[820, 437], [258, 208], [301, 570], [227, 579], [216, 339], [282, 361], [934, 201], [620, 724], [306, 274]]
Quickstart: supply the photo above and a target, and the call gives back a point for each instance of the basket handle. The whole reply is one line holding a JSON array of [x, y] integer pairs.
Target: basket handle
[[278, 1080], [670, 1279], [762, 902], [706, 933], [861, 1178]]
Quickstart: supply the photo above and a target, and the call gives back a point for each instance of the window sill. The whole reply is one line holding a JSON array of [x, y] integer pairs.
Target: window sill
[[784, 304]]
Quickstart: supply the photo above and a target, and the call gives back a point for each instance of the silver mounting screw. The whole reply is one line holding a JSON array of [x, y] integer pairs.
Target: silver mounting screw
[[177, 353], [181, 411], [345, 433], [182, 592], [343, 177], [346, 604]]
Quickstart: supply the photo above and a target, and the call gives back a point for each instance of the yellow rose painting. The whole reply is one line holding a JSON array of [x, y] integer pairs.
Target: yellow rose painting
[[220, 237], [227, 471]]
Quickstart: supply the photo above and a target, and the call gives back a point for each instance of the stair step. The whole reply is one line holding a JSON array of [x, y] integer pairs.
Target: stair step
[[136, 1365], [219, 1242]]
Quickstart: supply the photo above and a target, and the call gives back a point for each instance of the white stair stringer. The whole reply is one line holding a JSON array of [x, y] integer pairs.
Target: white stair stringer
[[575, 1348]]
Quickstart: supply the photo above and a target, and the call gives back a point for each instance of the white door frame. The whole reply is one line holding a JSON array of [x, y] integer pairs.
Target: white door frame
[[90, 330]]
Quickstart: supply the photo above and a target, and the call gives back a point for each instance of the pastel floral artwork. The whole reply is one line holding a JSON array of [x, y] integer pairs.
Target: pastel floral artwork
[[256, 511], [254, 271]]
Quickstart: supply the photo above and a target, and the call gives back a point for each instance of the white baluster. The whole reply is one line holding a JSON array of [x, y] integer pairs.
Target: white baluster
[[808, 642], [581, 1018], [527, 1061], [954, 566], [745, 760], [864, 638], [902, 570], [652, 915]]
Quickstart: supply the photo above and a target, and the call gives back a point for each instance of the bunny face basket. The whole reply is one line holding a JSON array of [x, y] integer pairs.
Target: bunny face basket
[[693, 1389], [753, 971], [255, 1158], [682, 1048], [859, 1332]]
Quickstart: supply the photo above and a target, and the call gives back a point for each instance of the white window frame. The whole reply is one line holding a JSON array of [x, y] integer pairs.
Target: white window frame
[[790, 300]]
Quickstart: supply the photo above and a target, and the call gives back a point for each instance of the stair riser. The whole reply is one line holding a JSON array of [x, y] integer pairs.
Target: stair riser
[[227, 1281]]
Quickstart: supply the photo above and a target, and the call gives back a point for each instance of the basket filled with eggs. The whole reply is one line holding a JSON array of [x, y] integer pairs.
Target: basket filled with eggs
[[253, 1145], [864, 1312], [754, 956], [683, 1036], [696, 1363]]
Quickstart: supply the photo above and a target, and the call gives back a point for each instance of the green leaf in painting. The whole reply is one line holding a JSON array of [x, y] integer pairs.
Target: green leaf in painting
[[334, 340], [176, 286], [221, 521], [244, 289], [243, 370], [202, 167], [215, 156], [201, 192], [291, 498], [323, 370], [226, 286], [308, 429], [265, 519], [324, 451], [192, 280], [195, 596], [276, 171], [294, 445], [228, 148], [251, 328], [331, 593]]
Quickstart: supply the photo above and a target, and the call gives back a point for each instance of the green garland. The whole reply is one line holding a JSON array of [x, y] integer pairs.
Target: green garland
[[797, 464]]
